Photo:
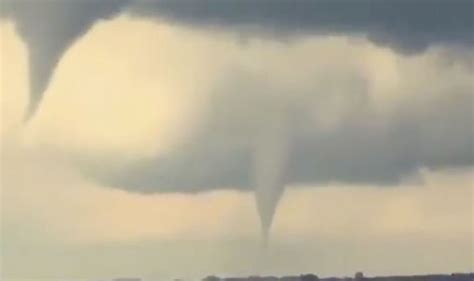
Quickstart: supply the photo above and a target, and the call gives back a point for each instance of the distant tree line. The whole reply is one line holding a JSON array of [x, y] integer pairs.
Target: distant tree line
[[359, 276]]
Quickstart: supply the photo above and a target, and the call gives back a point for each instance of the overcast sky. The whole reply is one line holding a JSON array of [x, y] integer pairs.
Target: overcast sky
[[162, 136]]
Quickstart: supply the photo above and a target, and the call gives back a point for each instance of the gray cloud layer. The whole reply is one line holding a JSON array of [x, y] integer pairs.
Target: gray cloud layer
[[405, 25], [365, 148]]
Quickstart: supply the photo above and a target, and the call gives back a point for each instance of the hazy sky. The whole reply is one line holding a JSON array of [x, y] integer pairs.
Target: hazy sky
[[159, 122]]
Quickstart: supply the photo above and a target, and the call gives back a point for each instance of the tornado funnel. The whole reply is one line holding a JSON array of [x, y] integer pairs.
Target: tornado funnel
[[49, 28], [271, 155]]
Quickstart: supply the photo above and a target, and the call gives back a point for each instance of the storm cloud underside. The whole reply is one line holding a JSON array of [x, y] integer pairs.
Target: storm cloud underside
[[50, 27]]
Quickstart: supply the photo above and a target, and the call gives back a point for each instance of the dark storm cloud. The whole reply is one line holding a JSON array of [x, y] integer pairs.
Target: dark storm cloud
[[404, 25], [49, 27]]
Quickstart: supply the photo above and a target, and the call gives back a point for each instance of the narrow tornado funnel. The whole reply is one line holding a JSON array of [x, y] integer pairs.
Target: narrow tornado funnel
[[41, 66], [49, 28], [271, 154]]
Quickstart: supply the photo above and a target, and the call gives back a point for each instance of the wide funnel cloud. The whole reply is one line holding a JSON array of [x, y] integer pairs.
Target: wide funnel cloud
[[313, 122]]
